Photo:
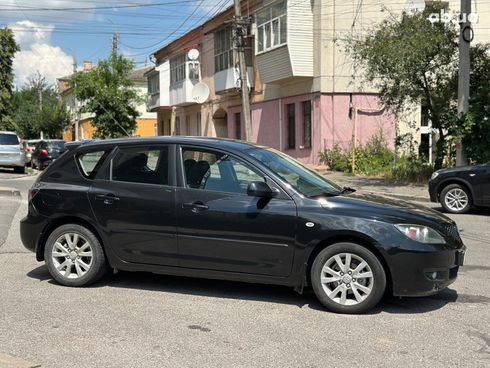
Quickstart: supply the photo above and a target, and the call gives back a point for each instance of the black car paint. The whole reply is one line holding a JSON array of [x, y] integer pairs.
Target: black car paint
[[476, 178], [237, 237]]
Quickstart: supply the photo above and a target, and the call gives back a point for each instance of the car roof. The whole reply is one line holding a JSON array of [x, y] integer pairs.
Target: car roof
[[215, 142], [5, 132]]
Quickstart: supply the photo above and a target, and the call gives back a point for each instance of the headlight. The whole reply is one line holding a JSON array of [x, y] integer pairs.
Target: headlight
[[434, 175], [421, 234]]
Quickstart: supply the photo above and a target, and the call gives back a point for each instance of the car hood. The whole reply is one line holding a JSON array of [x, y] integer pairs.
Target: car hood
[[459, 169], [386, 209]]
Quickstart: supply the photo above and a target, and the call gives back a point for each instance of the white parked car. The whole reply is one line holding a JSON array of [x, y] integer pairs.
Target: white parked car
[[12, 152]]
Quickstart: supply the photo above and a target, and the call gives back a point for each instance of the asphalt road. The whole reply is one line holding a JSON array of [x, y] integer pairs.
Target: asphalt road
[[145, 320]]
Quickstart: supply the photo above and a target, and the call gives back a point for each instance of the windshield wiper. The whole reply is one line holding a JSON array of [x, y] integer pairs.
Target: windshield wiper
[[347, 190]]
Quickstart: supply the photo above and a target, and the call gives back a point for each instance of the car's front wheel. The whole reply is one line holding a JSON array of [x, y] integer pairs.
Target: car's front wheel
[[455, 198], [348, 278], [74, 256]]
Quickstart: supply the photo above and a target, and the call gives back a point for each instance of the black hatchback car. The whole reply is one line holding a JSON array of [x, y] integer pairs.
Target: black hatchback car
[[47, 151], [457, 189], [226, 209]]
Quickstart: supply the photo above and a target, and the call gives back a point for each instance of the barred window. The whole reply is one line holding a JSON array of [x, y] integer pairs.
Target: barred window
[[177, 68]]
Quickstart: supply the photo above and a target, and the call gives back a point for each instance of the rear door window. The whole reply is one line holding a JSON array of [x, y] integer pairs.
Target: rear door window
[[146, 165]]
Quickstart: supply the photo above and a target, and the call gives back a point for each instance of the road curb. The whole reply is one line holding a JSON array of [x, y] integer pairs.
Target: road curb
[[8, 361], [9, 192], [405, 197]]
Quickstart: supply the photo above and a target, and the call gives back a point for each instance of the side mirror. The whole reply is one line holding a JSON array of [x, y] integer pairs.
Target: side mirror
[[260, 189]]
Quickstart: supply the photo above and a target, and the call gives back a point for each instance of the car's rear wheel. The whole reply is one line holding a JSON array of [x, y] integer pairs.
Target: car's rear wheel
[[455, 198], [348, 278], [74, 256]]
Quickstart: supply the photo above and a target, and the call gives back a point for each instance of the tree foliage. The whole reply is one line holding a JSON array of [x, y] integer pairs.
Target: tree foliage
[[8, 48], [476, 141], [411, 60], [107, 92], [36, 108]]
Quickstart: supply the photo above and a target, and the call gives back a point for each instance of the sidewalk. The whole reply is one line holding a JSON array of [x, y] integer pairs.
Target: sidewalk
[[410, 192]]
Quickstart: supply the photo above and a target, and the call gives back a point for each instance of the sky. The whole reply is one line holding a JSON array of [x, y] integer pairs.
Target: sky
[[53, 34]]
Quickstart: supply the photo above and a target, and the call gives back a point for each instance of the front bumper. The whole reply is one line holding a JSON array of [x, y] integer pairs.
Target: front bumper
[[425, 273]]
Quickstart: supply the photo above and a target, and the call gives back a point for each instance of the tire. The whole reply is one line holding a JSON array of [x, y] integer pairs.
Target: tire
[[20, 169], [455, 198], [369, 289], [70, 261]]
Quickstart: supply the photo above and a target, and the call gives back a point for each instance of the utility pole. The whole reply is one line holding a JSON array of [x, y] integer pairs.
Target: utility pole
[[75, 101], [465, 36], [114, 43], [240, 28]]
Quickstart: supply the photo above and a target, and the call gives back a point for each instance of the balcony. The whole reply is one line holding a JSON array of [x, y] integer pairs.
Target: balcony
[[227, 80], [183, 82], [284, 41], [158, 87]]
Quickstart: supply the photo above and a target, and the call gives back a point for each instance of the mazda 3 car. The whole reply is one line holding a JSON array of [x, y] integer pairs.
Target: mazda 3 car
[[225, 209]]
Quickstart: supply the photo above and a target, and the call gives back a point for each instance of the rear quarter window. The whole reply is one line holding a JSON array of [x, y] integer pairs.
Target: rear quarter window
[[90, 162]]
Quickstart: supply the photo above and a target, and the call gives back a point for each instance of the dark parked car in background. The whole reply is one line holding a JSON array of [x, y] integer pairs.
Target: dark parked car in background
[[457, 189], [47, 151], [226, 209]]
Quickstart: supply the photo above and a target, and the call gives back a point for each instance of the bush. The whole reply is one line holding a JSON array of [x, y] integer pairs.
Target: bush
[[376, 159], [410, 169], [336, 159]]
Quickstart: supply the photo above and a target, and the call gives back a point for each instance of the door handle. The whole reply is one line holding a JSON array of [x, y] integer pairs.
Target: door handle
[[107, 198], [195, 206]]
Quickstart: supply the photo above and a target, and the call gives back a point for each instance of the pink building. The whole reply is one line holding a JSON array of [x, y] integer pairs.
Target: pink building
[[303, 99]]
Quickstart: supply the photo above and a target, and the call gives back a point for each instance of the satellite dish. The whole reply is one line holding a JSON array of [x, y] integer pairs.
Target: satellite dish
[[193, 54], [200, 93]]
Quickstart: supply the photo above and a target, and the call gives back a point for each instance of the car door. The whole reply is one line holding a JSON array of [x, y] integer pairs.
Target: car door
[[220, 227], [135, 204], [480, 180]]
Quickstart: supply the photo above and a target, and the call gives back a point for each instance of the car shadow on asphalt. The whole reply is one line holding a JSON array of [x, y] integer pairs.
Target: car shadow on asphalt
[[254, 292], [479, 211]]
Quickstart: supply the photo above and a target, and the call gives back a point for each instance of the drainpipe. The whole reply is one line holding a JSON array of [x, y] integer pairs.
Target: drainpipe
[[280, 124]]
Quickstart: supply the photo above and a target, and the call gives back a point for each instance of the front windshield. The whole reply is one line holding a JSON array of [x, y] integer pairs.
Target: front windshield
[[305, 181]]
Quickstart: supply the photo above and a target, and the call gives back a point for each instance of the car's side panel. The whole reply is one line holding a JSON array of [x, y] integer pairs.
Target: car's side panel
[[236, 233]]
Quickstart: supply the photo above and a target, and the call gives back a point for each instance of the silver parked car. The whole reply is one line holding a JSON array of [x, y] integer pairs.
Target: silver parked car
[[12, 152]]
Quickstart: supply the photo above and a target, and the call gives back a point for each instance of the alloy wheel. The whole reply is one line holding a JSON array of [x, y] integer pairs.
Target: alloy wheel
[[72, 255], [456, 199], [347, 279]]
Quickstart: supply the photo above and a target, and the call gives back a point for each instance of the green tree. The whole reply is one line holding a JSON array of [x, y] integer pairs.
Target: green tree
[[107, 92], [409, 60], [8, 48], [476, 142], [37, 108]]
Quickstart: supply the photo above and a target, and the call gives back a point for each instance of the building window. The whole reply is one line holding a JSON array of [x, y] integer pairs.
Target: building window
[[154, 83], [177, 69], [291, 112], [188, 125], [307, 124], [177, 125], [271, 27], [238, 125], [198, 124], [223, 49]]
